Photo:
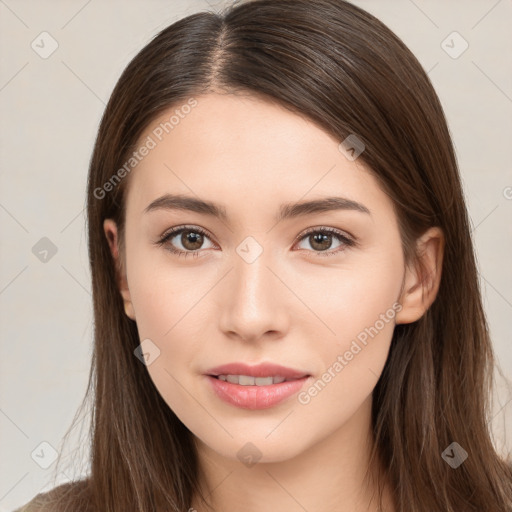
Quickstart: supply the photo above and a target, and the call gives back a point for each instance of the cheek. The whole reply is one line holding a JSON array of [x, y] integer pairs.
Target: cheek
[[171, 308], [351, 298], [167, 313], [166, 307], [163, 294], [359, 307], [350, 367]]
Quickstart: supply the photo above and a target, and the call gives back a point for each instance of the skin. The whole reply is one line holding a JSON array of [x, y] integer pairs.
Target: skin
[[291, 306]]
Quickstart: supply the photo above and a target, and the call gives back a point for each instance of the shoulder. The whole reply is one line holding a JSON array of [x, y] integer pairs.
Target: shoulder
[[71, 496]]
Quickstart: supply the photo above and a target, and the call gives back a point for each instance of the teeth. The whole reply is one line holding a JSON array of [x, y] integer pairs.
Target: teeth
[[263, 381], [247, 380]]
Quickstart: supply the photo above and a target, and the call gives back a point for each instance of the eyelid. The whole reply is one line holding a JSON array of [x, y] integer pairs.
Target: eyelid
[[177, 229], [316, 229]]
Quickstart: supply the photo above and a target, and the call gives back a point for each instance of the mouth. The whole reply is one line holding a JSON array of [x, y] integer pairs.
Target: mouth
[[255, 387], [249, 380], [245, 372]]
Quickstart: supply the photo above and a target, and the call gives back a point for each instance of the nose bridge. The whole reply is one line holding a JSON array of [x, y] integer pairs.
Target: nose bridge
[[254, 303], [251, 274]]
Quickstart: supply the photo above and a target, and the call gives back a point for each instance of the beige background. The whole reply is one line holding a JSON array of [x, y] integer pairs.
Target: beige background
[[50, 111]]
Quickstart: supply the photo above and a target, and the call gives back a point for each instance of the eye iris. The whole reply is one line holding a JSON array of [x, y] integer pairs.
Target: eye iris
[[318, 241], [196, 239]]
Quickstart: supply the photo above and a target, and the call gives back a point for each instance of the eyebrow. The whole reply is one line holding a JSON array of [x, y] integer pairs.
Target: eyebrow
[[286, 211]]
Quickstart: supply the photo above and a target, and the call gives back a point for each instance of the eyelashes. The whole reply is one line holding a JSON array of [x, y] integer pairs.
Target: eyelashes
[[197, 235]]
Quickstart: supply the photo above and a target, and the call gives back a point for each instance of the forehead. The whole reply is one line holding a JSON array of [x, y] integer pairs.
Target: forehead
[[245, 150]]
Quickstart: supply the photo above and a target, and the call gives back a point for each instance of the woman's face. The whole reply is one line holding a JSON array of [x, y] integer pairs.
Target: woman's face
[[259, 279]]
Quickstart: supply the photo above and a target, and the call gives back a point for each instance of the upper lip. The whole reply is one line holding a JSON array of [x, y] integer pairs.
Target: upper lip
[[258, 370]]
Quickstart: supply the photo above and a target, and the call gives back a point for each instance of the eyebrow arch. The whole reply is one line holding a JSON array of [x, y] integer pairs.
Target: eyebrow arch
[[286, 211]]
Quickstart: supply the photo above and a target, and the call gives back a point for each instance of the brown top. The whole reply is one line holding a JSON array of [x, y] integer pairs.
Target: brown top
[[51, 501]]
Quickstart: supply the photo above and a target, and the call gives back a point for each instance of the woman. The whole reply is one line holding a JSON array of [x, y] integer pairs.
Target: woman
[[287, 311]]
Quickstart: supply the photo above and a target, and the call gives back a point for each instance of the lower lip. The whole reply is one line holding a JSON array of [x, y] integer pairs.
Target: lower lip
[[255, 397]]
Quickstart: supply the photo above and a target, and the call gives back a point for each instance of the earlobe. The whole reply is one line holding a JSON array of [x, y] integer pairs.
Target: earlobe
[[421, 283], [112, 234]]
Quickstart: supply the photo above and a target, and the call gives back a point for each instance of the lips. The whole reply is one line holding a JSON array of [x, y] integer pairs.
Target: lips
[[255, 387]]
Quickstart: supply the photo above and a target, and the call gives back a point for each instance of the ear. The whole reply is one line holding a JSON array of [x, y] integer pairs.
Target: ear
[[421, 283], [111, 232]]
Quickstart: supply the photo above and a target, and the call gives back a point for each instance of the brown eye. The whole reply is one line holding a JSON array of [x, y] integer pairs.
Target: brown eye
[[191, 240], [185, 241], [321, 240]]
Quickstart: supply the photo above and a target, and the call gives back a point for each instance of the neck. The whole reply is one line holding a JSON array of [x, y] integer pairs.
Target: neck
[[333, 474]]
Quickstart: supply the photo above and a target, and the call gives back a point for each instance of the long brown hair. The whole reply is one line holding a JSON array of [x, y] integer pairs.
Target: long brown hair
[[340, 67]]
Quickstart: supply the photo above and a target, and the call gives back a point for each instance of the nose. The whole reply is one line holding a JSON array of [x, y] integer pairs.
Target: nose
[[254, 302]]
